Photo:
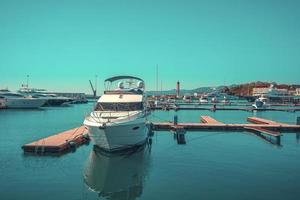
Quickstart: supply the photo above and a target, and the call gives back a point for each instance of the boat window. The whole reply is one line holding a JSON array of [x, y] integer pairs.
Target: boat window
[[119, 106]]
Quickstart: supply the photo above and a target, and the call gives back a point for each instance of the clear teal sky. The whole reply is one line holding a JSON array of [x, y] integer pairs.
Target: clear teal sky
[[62, 44]]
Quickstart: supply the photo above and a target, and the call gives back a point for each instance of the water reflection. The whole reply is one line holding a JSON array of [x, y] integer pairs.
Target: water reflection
[[119, 176]]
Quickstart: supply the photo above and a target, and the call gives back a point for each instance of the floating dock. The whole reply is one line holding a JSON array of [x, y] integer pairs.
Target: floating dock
[[260, 127], [59, 143], [248, 109], [69, 140], [214, 125]]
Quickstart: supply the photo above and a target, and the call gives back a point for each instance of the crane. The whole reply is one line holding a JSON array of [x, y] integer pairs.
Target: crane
[[94, 90]]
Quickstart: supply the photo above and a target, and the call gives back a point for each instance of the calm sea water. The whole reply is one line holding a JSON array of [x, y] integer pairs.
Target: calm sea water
[[210, 166]]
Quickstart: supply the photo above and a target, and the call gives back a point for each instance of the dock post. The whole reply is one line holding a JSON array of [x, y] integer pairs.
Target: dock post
[[175, 119], [278, 140], [150, 130], [180, 133]]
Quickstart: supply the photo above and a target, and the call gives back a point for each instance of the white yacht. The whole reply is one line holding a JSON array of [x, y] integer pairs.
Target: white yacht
[[214, 100], [51, 99], [119, 119], [203, 100], [187, 98], [261, 102], [2, 102], [225, 100], [15, 100]]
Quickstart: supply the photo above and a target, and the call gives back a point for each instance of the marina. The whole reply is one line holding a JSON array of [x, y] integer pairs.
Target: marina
[[211, 146], [146, 100]]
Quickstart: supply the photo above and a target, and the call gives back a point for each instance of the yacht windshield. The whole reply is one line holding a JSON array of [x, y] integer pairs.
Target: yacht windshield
[[119, 106]]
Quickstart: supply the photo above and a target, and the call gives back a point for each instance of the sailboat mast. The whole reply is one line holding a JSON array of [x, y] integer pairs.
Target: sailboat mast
[[157, 78]]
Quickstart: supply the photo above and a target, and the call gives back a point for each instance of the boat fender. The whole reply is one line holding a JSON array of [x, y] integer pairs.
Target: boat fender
[[72, 145]]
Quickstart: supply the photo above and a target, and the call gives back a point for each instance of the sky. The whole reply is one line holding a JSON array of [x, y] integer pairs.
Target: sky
[[62, 44]]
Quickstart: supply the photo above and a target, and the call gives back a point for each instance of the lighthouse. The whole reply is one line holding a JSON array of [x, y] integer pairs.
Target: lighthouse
[[177, 89]]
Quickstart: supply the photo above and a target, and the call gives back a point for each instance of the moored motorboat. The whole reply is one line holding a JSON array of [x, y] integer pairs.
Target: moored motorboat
[[51, 99], [203, 100], [214, 100], [261, 102], [2, 102], [119, 119], [15, 100], [187, 98], [225, 100]]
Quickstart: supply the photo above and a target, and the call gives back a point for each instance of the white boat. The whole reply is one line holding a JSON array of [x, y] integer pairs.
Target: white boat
[[225, 100], [261, 102], [15, 100], [203, 100], [51, 99], [2, 102], [187, 98], [119, 119], [214, 100], [117, 176]]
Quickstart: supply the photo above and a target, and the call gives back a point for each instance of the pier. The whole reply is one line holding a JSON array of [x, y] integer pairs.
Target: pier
[[248, 109], [214, 125], [263, 128], [59, 143], [257, 126]]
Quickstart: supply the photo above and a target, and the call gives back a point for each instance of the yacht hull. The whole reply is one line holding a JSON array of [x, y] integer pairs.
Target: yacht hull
[[57, 102], [2, 103], [119, 136], [24, 102]]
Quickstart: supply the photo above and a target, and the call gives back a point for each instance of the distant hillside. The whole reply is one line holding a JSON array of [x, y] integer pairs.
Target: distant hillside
[[246, 89]]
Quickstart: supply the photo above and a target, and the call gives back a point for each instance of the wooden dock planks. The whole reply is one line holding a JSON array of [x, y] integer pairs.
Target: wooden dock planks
[[58, 143], [209, 120], [258, 120], [214, 126], [248, 109]]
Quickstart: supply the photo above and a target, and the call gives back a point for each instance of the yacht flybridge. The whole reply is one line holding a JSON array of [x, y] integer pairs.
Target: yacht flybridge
[[119, 118]]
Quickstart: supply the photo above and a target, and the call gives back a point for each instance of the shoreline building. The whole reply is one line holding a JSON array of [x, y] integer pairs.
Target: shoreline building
[[267, 91]]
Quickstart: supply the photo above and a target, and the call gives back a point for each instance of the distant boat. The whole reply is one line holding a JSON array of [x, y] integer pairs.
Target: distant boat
[[187, 98], [203, 100], [214, 100], [118, 121], [2, 102], [261, 102], [15, 100], [225, 100], [51, 99]]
